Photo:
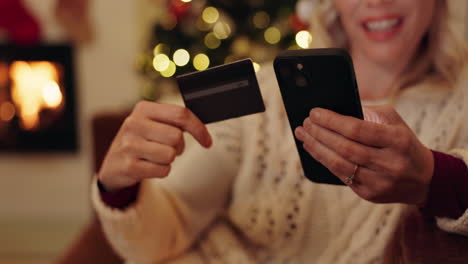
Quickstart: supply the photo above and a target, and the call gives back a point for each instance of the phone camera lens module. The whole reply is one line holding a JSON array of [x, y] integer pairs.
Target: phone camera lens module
[[301, 81]]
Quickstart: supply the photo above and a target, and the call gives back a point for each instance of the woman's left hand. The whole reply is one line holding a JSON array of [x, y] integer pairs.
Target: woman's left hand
[[394, 166]]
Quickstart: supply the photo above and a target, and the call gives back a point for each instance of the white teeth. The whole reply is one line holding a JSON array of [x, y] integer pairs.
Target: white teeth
[[382, 25]]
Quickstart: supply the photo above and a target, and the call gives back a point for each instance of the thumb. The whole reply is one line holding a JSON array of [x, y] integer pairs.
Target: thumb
[[382, 114]]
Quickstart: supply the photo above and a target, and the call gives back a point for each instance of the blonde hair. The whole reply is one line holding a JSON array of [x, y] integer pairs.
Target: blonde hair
[[440, 58]]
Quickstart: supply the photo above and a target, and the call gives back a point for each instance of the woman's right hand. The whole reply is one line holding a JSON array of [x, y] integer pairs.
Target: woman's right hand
[[148, 142]]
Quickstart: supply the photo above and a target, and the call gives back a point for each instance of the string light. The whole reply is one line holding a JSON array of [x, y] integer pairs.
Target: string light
[[161, 62], [170, 71], [261, 20], [210, 15], [201, 62], [160, 48], [222, 30], [241, 46], [272, 35], [303, 39], [202, 25], [211, 41], [181, 57]]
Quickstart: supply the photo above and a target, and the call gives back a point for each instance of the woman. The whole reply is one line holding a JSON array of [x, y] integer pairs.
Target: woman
[[245, 200]]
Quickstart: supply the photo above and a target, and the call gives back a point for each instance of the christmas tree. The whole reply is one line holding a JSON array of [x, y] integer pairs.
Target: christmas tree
[[194, 35]]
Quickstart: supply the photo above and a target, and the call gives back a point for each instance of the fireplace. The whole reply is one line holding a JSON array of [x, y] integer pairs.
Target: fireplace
[[37, 99]]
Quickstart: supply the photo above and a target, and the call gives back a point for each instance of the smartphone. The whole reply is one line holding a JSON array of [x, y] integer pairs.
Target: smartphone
[[317, 78]]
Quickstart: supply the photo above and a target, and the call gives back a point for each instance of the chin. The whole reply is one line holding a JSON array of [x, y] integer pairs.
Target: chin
[[386, 55]]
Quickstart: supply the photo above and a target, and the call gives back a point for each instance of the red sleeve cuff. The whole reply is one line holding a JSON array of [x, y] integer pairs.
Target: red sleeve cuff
[[119, 199], [448, 191]]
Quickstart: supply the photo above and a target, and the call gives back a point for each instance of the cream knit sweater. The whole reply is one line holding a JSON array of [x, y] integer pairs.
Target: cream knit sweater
[[245, 200]]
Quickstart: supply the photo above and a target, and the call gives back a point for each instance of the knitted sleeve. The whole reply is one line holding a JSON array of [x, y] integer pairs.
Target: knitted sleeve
[[460, 225], [170, 213], [447, 195]]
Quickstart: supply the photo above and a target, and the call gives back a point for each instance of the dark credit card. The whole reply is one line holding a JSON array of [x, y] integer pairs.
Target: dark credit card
[[222, 92]]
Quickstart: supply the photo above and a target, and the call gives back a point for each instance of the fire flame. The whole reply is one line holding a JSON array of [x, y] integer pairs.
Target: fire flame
[[34, 88]]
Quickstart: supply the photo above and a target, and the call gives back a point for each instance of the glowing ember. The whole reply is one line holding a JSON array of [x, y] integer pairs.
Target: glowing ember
[[35, 87], [7, 111]]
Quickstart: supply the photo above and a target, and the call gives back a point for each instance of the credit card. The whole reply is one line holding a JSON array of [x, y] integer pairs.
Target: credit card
[[222, 92]]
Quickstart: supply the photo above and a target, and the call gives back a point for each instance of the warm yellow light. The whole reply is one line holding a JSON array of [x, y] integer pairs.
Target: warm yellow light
[[202, 25], [294, 47], [272, 35], [181, 57], [241, 46], [161, 62], [210, 15], [7, 111], [201, 62], [261, 20], [51, 94], [222, 30], [161, 48], [256, 67], [29, 80], [211, 41], [303, 39], [229, 59], [170, 71], [186, 1]]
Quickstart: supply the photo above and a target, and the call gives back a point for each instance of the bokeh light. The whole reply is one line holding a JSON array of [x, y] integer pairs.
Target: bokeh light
[[160, 48], [201, 62], [181, 57], [202, 25], [161, 62], [170, 71], [272, 35], [210, 15], [304, 39], [222, 30], [230, 58], [241, 46], [211, 41], [261, 20], [7, 111]]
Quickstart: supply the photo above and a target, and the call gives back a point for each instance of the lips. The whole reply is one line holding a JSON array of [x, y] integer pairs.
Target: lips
[[382, 28]]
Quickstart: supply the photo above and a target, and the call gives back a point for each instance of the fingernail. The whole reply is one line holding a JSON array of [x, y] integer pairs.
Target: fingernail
[[299, 132], [316, 113], [306, 123]]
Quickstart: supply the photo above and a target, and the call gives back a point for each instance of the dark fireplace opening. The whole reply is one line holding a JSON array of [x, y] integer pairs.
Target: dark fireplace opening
[[37, 99]]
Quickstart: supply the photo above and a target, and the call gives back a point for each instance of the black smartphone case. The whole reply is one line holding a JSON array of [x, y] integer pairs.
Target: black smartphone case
[[317, 78]]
